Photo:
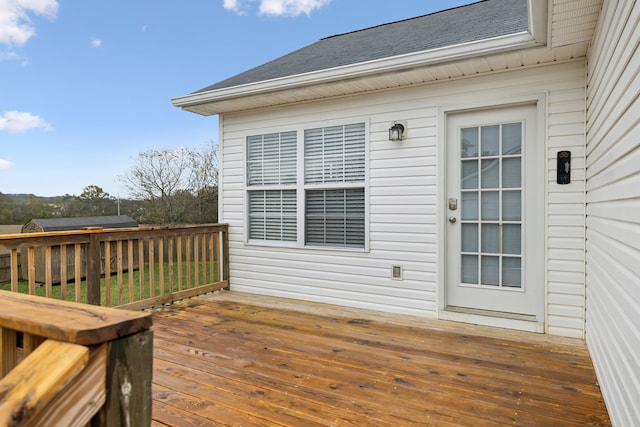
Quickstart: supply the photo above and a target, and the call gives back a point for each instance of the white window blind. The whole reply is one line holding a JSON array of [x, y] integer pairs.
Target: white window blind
[[271, 162], [334, 154], [272, 215], [271, 159], [335, 217], [335, 159]]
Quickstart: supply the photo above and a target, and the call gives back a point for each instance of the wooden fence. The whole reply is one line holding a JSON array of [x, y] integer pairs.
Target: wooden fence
[[133, 268], [5, 266], [69, 364]]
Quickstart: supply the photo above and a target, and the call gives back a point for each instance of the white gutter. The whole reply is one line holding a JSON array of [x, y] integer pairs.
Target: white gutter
[[385, 65], [538, 18]]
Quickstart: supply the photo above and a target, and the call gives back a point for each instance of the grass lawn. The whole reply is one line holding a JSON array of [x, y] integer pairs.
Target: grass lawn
[[129, 281]]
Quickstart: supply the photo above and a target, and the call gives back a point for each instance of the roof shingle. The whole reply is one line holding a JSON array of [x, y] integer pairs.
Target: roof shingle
[[478, 21]]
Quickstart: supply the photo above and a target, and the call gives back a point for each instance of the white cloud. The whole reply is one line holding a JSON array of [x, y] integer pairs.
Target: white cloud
[[96, 42], [231, 5], [5, 164], [277, 7], [237, 6], [291, 7], [16, 27], [16, 122]]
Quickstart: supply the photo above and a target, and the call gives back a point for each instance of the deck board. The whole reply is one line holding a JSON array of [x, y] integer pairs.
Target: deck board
[[229, 361]]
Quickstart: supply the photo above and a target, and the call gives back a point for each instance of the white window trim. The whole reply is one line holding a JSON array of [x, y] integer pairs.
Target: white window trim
[[301, 187]]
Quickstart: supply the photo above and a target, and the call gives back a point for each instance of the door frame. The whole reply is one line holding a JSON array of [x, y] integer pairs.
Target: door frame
[[539, 324]]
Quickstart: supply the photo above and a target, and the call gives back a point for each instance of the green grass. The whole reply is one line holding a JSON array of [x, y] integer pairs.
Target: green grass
[[124, 296]]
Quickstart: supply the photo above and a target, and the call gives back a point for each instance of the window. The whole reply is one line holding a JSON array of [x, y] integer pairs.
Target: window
[[334, 173], [271, 179], [332, 194], [335, 217]]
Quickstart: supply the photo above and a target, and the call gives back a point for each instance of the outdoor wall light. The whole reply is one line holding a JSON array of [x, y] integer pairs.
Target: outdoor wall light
[[397, 132]]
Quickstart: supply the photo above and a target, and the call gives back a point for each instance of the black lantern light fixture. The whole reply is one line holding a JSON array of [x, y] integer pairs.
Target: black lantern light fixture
[[397, 132]]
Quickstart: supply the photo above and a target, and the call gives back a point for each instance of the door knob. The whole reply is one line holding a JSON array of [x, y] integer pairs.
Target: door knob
[[452, 219]]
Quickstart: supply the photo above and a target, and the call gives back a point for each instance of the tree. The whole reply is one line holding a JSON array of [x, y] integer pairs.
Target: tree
[[6, 210], [94, 201], [174, 184], [204, 183]]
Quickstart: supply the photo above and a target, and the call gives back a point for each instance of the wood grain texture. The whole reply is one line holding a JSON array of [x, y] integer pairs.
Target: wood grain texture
[[66, 321], [128, 376], [29, 387], [81, 398], [231, 362], [8, 351]]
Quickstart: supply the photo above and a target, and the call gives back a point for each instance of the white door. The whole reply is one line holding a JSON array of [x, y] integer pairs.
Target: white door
[[494, 204]]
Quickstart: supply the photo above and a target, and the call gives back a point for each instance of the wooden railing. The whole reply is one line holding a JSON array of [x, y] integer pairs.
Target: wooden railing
[[133, 268], [69, 364]]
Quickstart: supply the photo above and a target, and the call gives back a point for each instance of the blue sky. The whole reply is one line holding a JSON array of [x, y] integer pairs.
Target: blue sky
[[87, 85]]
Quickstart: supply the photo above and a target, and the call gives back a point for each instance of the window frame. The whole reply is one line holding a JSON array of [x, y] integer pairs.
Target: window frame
[[301, 187]]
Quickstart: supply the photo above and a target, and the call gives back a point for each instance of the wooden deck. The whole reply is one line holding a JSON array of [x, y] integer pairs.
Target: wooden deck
[[233, 359]]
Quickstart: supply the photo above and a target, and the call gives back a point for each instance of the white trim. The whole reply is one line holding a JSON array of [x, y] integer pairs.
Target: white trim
[[498, 322], [509, 42], [301, 186], [543, 131], [540, 101], [538, 18], [220, 168]]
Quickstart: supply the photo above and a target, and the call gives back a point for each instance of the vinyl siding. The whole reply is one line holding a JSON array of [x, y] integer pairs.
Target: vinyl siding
[[613, 206], [403, 194], [565, 241]]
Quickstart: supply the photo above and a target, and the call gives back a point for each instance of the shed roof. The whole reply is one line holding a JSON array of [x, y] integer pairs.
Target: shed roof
[[77, 223], [478, 21]]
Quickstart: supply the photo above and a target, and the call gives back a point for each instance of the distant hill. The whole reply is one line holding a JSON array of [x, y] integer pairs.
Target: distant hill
[[27, 196]]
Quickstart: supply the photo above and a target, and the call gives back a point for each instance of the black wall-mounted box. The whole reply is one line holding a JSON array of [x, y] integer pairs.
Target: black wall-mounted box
[[564, 167]]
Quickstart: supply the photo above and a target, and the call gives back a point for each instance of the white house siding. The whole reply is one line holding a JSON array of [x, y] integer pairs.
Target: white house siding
[[403, 195], [613, 208]]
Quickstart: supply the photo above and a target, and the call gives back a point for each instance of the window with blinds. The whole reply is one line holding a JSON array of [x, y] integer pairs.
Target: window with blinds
[[335, 217], [334, 154], [272, 215], [271, 159], [332, 191], [334, 174], [271, 179]]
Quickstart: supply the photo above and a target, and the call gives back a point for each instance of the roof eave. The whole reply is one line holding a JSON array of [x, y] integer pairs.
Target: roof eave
[[196, 101]]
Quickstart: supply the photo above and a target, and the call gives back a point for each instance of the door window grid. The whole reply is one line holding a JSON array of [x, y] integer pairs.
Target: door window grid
[[491, 217]]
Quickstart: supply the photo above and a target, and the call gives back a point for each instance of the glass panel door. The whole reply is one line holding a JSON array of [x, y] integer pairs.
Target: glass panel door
[[491, 215], [494, 205]]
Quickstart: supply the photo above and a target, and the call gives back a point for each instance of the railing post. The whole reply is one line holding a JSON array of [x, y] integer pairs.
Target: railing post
[[225, 254], [129, 378], [93, 269]]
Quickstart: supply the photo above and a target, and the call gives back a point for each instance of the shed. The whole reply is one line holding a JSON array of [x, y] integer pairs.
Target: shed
[[509, 197], [65, 224], [39, 225]]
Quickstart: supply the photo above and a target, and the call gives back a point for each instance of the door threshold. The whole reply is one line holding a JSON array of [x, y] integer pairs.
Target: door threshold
[[490, 313], [520, 322]]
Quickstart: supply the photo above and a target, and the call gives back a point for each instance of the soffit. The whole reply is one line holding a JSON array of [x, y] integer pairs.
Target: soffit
[[383, 81], [573, 21]]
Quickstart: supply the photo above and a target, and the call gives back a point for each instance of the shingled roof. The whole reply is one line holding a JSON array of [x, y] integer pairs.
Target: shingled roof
[[478, 21]]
